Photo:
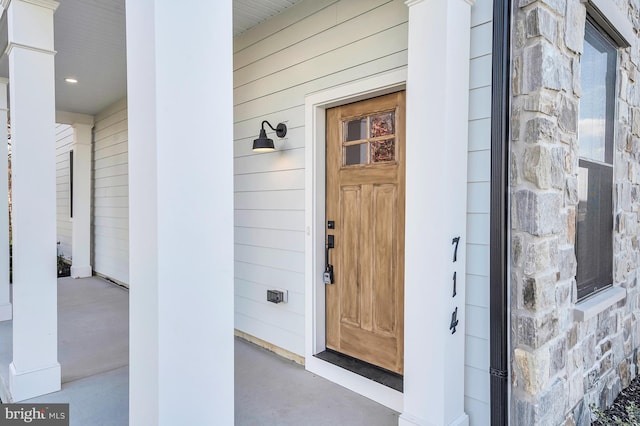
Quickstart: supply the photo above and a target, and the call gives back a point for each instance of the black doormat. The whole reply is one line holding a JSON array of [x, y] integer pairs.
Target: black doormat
[[364, 369]]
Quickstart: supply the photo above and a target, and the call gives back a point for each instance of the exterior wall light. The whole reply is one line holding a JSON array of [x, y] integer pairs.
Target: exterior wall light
[[263, 143]]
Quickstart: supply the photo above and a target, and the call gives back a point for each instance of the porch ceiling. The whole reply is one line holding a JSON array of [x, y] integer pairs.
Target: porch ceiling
[[90, 43]]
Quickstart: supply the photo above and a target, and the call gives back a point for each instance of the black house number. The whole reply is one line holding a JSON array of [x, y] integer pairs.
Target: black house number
[[454, 315], [455, 241], [454, 321]]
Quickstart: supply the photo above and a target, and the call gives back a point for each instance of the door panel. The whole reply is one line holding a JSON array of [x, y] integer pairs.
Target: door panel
[[365, 198]]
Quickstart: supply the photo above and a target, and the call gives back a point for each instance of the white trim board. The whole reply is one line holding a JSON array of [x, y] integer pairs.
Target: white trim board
[[315, 107]]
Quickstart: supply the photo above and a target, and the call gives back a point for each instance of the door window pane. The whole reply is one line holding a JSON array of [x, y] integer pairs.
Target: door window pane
[[376, 132], [355, 154], [383, 151], [355, 130], [382, 125]]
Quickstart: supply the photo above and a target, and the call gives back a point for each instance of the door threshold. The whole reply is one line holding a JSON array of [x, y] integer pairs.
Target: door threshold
[[387, 378]]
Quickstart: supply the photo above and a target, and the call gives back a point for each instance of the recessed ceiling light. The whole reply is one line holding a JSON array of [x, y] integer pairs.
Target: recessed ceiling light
[[71, 80]]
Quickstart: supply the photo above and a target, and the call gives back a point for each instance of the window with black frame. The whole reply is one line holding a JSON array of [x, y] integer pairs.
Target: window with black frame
[[594, 216]]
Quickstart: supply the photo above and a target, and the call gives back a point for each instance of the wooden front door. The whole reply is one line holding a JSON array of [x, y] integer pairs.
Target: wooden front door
[[365, 202]]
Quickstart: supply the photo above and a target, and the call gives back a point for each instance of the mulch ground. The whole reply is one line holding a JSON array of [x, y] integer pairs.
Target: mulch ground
[[628, 395]]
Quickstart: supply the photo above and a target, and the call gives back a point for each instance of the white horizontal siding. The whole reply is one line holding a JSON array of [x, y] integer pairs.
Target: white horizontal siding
[[64, 143], [311, 47], [308, 48], [110, 203], [477, 395]]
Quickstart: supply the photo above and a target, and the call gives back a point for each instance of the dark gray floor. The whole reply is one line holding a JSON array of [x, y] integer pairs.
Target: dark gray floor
[[270, 390]]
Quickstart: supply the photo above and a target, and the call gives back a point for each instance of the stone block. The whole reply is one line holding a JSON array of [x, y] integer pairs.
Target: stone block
[[589, 351], [538, 293], [533, 369], [537, 166], [535, 330], [576, 389], [568, 263], [540, 129], [558, 165], [517, 249], [524, 412], [590, 378], [544, 67], [543, 101], [540, 22], [625, 376], [635, 121], [537, 212], [568, 114], [558, 6], [576, 82], [573, 338], [563, 293], [582, 414], [558, 355], [553, 403], [571, 191], [537, 256], [571, 225], [574, 25]]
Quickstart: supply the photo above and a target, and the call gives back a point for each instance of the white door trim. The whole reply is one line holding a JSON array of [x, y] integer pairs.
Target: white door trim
[[315, 106]]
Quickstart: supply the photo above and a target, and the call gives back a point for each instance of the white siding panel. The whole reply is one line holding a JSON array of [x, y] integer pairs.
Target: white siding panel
[[477, 395], [478, 411], [477, 290], [258, 293], [64, 143], [481, 40], [270, 200], [271, 238], [478, 170], [283, 99], [478, 259], [476, 383], [110, 204], [480, 72], [477, 323], [256, 326], [480, 103], [289, 220], [478, 197], [270, 276], [291, 261], [306, 49], [478, 228], [477, 355], [480, 134], [311, 47], [278, 160], [481, 12], [270, 181]]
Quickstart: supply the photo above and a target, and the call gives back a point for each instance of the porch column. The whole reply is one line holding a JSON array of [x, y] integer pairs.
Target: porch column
[[437, 114], [35, 369], [180, 103], [81, 206], [5, 300]]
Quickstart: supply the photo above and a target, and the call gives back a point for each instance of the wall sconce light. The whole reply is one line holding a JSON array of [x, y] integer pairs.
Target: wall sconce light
[[263, 143]]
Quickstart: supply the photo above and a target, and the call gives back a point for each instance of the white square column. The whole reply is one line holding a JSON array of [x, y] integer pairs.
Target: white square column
[[81, 208], [35, 369], [436, 185], [5, 298], [180, 103]]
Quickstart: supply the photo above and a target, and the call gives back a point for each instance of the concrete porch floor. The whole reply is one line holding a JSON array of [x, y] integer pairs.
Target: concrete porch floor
[[93, 350]]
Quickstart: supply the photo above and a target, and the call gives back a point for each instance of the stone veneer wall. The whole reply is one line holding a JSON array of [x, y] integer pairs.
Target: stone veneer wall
[[561, 366]]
